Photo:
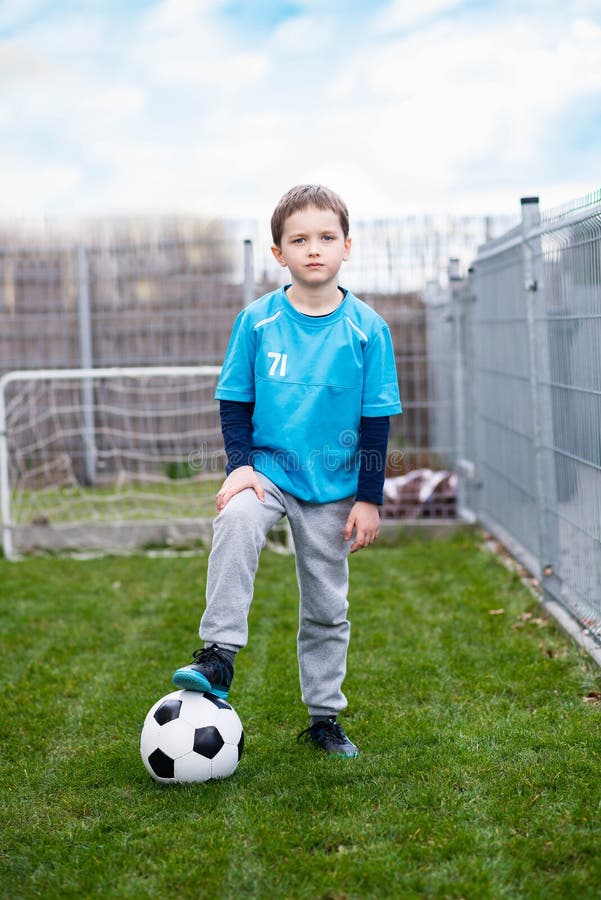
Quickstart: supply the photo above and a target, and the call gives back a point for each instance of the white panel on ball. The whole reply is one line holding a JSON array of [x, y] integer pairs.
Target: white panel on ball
[[225, 762], [176, 738], [192, 767]]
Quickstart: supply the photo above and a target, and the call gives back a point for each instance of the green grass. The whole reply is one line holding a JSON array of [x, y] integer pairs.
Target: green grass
[[479, 775]]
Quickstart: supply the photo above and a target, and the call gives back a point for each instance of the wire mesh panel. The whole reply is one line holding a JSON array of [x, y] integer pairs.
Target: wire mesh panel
[[164, 298], [537, 372], [171, 301], [568, 339], [38, 308], [441, 387], [411, 437], [504, 433]]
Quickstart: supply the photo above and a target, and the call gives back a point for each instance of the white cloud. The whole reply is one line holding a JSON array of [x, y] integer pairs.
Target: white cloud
[[196, 68], [586, 30], [118, 100], [129, 155], [305, 34], [178, 111], [181, 43], [12, 12], [173, 15], [20, 64], [25, 184], [66, 39], [446, 95], [401, 15]]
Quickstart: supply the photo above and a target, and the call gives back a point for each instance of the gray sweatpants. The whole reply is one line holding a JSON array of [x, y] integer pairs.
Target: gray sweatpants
[[239, 532]]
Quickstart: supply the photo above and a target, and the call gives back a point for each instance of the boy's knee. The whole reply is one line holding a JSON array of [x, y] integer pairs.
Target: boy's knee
[[241, 512]]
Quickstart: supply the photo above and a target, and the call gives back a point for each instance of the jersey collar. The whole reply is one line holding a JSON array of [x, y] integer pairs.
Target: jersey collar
[[315, 321]]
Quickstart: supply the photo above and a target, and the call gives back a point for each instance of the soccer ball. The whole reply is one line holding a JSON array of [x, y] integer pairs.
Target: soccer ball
[[191, 736]]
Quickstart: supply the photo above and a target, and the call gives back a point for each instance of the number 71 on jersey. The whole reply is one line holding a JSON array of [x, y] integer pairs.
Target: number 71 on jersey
[[279, 359]]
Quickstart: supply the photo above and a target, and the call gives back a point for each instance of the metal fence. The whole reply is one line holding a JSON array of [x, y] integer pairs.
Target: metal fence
[[144, 294], [168, 300], [525, 367]]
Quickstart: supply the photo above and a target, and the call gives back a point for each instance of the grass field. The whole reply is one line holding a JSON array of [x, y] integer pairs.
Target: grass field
[[479, 775]]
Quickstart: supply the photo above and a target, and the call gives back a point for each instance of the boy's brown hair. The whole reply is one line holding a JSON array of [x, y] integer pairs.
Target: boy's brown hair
[[300, 197]]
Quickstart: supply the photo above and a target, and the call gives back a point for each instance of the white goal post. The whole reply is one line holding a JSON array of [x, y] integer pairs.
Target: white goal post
[[91, 453]]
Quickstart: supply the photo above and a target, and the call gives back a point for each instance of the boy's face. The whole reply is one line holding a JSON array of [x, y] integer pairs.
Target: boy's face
[[313, 246]]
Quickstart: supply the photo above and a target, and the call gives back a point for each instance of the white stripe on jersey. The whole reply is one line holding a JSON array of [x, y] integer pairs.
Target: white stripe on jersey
[[357, 329], [268, 320]]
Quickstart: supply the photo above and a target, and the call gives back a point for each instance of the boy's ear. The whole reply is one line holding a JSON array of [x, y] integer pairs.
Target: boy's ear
[[347, 247], [278, 254]]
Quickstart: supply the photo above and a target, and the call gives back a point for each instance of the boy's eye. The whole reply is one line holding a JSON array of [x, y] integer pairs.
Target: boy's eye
[[324, 237]]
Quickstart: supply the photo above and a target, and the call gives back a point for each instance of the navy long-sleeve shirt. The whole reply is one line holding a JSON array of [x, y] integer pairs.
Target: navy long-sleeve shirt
[[236, 426]]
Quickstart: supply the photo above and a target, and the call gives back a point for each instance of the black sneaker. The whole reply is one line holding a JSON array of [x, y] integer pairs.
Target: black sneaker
[[210, 671], [329, 735]]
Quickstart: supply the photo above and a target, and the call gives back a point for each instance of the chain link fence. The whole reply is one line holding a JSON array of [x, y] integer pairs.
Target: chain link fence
[[524, 338]]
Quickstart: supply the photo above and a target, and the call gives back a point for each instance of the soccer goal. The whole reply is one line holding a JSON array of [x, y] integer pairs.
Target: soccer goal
[[108, 459]]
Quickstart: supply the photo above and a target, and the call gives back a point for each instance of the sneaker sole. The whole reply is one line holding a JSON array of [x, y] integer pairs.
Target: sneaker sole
[[196, 681]]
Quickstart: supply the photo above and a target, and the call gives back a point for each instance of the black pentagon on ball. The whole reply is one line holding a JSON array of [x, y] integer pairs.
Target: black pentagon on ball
[[168, 711], [161, 764], [240, 746], [207, 741]]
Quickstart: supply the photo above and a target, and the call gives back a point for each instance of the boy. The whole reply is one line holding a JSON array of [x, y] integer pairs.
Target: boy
[[307, 386]]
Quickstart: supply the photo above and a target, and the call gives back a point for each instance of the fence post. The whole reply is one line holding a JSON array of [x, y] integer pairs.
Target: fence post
[[84, 322], [439, 356], [464, 463], [458, 373], [5, 505], [542, 405], [530, 221], [249, 273], [474, 473]]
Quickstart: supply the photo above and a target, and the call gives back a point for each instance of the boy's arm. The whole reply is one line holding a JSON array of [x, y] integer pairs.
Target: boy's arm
[[364, 518], [237, 430], [373, 446], [236, 427]]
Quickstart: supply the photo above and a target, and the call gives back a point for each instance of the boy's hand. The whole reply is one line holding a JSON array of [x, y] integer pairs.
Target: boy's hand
[[364, 519], [238, 480]]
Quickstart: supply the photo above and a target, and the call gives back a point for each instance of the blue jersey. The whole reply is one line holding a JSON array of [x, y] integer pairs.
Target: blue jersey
[[311, 379]]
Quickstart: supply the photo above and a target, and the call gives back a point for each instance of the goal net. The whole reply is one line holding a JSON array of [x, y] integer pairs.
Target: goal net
[[108, 459]]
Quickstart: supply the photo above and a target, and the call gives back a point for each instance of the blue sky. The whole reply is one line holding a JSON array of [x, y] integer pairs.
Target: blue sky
[[216, 107]]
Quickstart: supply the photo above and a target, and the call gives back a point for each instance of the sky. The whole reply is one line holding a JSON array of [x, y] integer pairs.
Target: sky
[[217, 107]]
